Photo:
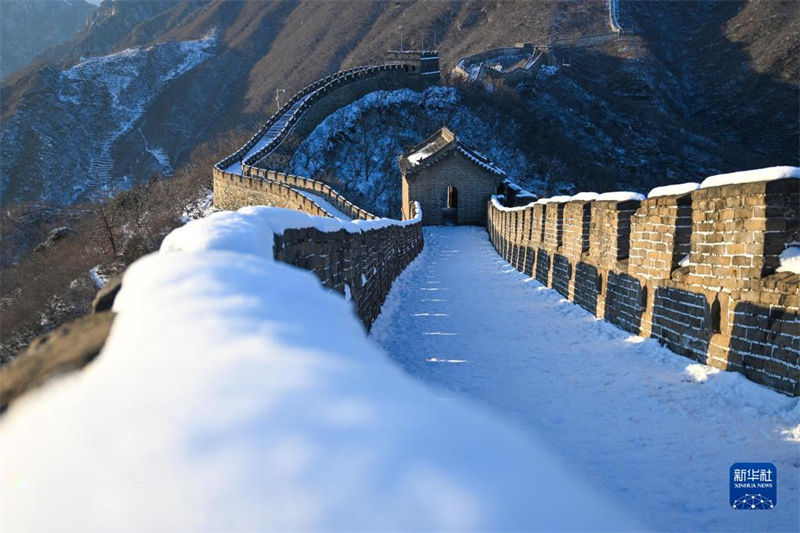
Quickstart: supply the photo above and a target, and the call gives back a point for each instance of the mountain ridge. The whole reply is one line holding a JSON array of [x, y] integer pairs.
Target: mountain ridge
[[264, 46]]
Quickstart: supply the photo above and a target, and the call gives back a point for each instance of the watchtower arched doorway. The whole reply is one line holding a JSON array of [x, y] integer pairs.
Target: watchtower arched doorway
[[450, 210]]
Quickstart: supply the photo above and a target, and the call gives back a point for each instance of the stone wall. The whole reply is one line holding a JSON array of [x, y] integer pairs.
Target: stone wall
[[361, 265], [724, 305], [232, 191], [480, 67], [292, 185]]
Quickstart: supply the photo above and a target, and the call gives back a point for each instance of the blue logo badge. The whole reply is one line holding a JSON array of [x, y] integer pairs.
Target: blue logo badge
[[754, 486]]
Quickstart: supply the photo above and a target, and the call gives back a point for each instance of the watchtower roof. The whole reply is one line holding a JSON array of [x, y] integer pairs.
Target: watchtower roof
[[444, 141]]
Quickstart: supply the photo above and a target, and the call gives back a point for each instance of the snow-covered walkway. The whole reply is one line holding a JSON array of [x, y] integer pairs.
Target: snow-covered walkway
[[654, 431], [329, 208]]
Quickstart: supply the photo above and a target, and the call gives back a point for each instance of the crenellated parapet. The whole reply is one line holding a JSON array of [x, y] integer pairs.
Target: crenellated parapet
[[360, 260], [697, 269], [660, 236]]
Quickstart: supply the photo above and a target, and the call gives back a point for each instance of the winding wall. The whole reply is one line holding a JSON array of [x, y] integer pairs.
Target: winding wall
[[243, 178], [728, 307], [478, 67]]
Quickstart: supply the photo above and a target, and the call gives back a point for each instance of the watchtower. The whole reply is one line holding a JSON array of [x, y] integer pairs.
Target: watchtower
[[451, 180], [426, 62]]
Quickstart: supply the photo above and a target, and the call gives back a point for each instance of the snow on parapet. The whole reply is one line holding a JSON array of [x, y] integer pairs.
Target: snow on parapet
[[619, 196], [250, 230], [616, 196], [557, 199], [672, 190], [585, 197], [496, 203], [748, 176]]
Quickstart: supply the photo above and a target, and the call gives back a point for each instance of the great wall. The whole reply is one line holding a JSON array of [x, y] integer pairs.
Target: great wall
[[696, 270], [243, 175], [624, 261], [292, 360]]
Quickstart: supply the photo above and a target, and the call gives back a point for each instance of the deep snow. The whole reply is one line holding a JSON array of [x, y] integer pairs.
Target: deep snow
[[670, 190], [653, 430], [235, 393]]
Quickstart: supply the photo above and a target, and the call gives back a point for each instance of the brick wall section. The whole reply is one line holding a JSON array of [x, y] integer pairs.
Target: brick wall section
[[681, 318], [585, 289], [553, 226], [537, 231], [543, 266], [366, 263], [529, 256], [576, 225], [728, 308], [561, 275], [660, 235], [609, 231], [318, 188], [739, 231], [625, 299], [233, 192]]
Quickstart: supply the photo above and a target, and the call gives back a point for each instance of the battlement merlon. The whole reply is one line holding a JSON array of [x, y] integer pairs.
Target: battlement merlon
[[426, 62]]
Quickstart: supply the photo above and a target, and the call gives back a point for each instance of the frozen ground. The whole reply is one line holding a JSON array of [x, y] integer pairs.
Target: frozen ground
[[655, 431]]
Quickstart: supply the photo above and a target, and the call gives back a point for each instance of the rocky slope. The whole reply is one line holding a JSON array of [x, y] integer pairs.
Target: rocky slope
[[29, 27]]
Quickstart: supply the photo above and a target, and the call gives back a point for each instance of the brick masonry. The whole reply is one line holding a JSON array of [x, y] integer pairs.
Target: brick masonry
[[363, 265], [728, 307]]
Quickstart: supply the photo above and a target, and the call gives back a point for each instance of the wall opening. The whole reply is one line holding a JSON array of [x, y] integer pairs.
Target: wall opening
[[450, 210], [452, 197], [716, 317]]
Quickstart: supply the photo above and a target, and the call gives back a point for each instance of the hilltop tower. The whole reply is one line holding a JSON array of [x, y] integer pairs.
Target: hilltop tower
[[426, 62]]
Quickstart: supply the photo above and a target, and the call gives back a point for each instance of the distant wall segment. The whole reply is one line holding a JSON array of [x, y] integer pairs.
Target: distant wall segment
[[697, 271], [244, 177]]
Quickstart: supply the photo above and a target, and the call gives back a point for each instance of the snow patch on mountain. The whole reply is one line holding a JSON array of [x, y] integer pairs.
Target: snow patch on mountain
[[125, 76], [94, 104]]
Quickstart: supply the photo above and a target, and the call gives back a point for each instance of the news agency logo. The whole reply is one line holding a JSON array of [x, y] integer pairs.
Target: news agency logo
[[754, 486]]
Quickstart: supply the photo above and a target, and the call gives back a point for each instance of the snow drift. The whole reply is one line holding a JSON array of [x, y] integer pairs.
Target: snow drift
[[236, 393]]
